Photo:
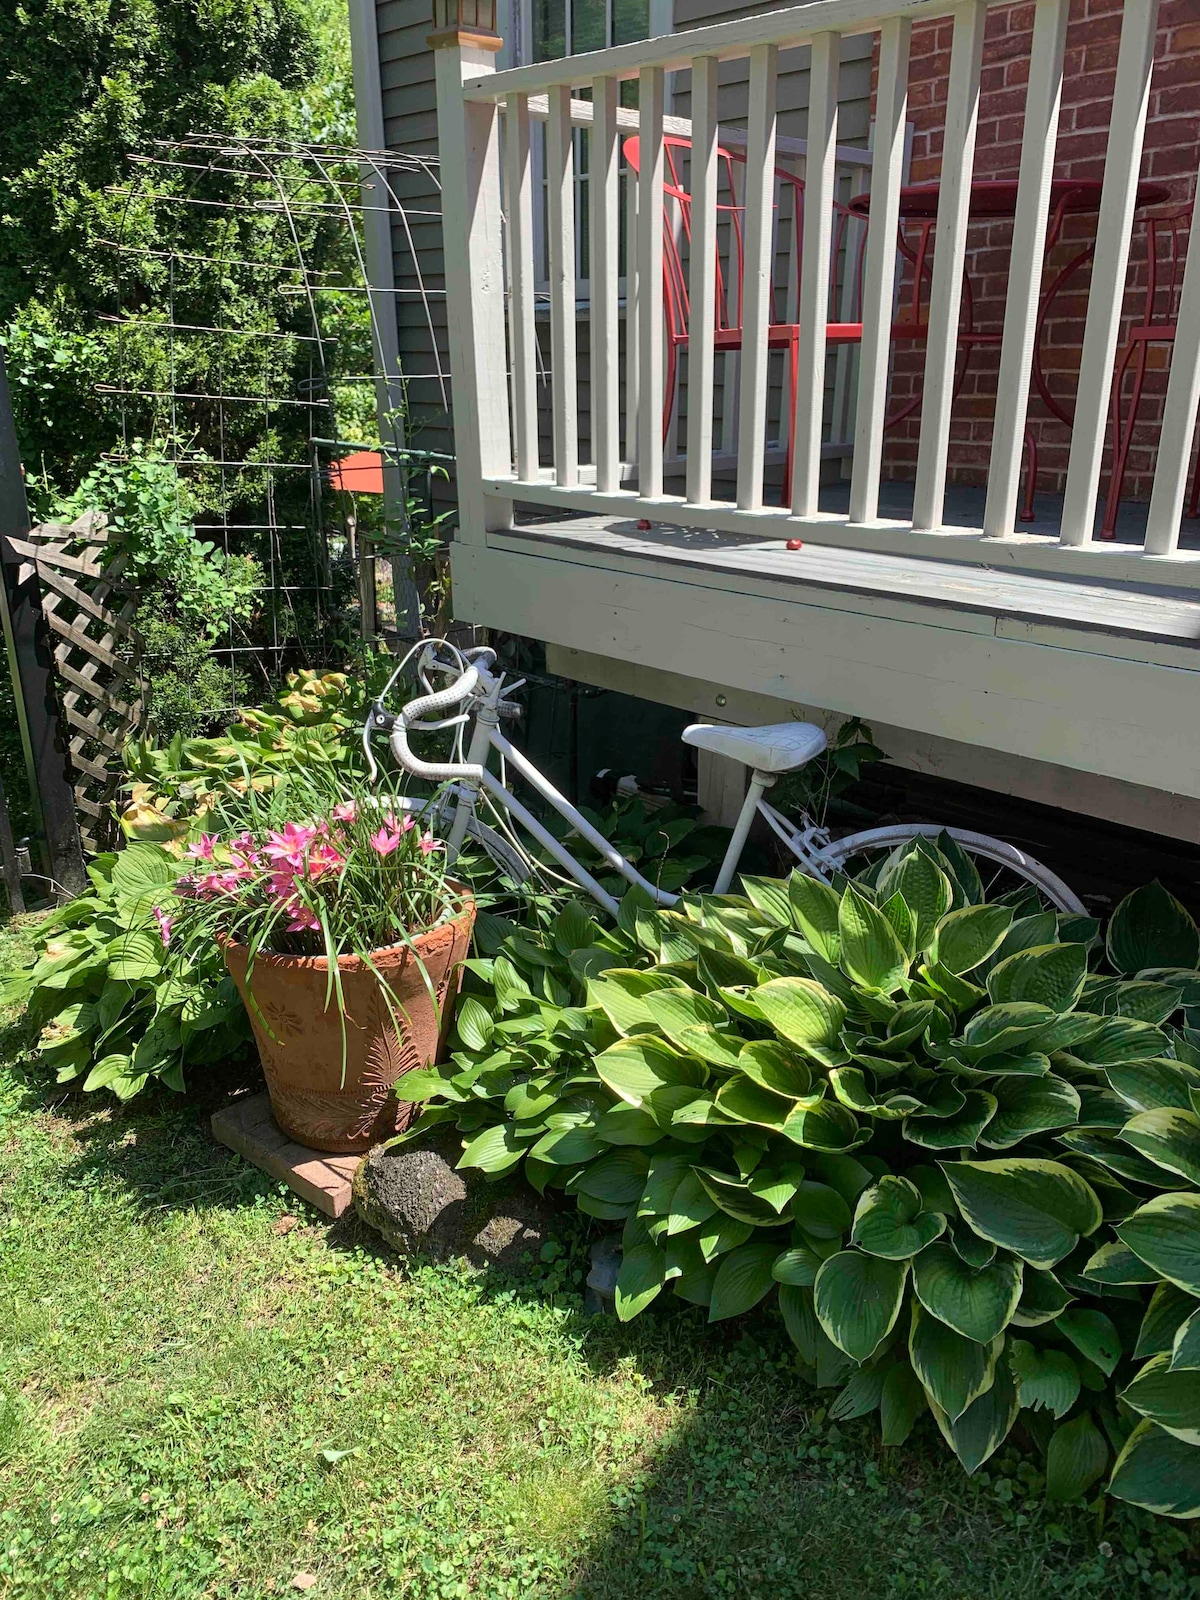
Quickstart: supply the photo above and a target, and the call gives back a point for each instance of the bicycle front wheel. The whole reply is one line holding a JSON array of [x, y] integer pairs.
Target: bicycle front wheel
[[1001, 867]]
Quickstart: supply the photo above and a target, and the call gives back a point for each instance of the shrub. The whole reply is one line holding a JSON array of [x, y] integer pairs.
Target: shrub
[[956, 1143]]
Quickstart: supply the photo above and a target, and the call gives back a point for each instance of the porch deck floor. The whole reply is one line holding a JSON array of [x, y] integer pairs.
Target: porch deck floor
[[1134, 611]]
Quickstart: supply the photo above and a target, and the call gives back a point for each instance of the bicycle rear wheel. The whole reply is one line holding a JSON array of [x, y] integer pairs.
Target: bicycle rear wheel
[[1001, 867]]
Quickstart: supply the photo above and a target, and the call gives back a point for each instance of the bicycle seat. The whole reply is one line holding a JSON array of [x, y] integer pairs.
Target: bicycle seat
[[778, 747]]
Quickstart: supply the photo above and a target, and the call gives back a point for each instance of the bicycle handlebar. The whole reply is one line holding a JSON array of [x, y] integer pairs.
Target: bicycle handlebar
[[429, 705]]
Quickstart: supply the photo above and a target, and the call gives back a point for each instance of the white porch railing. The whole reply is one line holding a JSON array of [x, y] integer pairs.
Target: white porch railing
[[486, 120]]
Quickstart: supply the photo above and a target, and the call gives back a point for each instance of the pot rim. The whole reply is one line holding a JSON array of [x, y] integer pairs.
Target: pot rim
[[352, 963]]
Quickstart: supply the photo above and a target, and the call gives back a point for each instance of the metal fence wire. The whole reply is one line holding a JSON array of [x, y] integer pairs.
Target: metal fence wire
[[257, 353]]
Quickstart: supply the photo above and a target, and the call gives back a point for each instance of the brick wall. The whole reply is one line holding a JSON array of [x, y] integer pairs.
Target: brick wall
[[1172, 149]]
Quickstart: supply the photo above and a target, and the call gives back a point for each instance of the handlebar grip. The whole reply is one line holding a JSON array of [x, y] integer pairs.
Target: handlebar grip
[[427, 705]]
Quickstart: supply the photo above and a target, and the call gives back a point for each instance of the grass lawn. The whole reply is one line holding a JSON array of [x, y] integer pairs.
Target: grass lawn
[[208, 1390]]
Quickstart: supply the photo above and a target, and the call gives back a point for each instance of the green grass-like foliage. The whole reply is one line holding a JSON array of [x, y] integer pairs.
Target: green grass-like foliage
[[958, 1143]]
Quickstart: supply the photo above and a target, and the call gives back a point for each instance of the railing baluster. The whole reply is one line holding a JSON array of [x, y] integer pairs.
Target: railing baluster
[[756, 296], [880, 279], [632, 359], [650, 282], [1114, 228], [519, 183], [1179, 416], [1038, 143], [945, 295], [603, 159], [702, 286], [813, 312], [560, 213]]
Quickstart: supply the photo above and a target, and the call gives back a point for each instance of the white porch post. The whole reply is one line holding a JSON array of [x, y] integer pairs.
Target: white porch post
[[472, 230]]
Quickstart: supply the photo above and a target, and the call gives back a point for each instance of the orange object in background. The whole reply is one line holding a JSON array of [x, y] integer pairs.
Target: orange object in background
[[361, 473]]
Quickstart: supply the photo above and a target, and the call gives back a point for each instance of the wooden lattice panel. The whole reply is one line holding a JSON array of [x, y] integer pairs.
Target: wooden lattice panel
[[90, 610]]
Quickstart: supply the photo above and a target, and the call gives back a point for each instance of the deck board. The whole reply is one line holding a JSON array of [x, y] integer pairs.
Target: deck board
[[1130, 612]]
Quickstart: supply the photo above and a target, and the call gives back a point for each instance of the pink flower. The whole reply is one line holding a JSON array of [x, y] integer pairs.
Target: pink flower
[[346, 812], [324, 858], [406, 823], [384, 841], [203, 850], [164, 925], [429, 844], [244, 850], [228, 881], [303, 921], [290, 844], [185, 887]]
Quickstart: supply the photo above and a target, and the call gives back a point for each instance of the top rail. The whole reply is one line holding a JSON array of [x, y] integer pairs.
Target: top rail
[[674, 52]]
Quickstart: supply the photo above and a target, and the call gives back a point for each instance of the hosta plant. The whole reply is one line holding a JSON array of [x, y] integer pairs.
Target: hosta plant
[[956, 1143]]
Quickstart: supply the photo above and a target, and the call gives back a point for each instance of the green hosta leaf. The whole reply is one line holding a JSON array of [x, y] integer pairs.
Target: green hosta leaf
[[871, 953], [1118, 1158], [969, 1247], [747, 1101], [1046, 1379], [960, 1130], [143, 869], [826, 1127], [1003, 1029], [778, 1189], [805, 1014], [797, 1266], [1167, 1312], [891, 1221], [1042, 1299], [815, 910], [634, 1068], [858, 1299], [776, 1067], [1116, 1263], [1158, 1472], [742, 1280], [843, 1173], [621, 994], [668, 1171], [617, 1178], [1146, 1002], [628, 1125], [1036, 1209], [968, 937], [474, 1024], [1025, 933], [721, 1234], [1165, 1234], [135, 956], [1151, 929], [496, 1150], [1029, 1106], [924, 888], [902, 924], [976, 1302], [1185, 1352], [1093, 1335], [642, 1274], [736, 1199], [800, 1320], [690, 1020], [771, 897], [1169, 1398], [1121, 1039], [821, 1211], [1168, 1137], [983, 1427], [1075, 1458], [691, 1204], [106, 1072], [954, 1370], [860, 1397], [1049, 974], [1154, 1085], [900, 1404]]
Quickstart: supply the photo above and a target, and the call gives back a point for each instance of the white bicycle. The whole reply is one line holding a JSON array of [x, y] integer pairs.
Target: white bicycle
[[476, 700]]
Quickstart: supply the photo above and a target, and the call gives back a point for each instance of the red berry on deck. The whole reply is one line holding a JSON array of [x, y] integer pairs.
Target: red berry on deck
[[795, 544], [643, 525]]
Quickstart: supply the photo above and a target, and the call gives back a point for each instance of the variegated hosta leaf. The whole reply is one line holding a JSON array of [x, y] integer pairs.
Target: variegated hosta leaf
[[871, 954], [1049, 974], [621, 992], [1037, 1209], [976, 1302], [806, 1015], [1168, 1137], [694, 1023], [776, 1067], [1026, 1107], [1151, 929], [960, 1130], [1165, 1234], [1185, 1351], [1158, 1472], [891, 1221], [925, 889], [1002, 1029], [1167, 1312], [1151, 1085], [980, 1431], [738, 1200], [1116, 1263], [1168, 1397], [954, 1369], [814, 908], [966, 938], [858, 1298], [826, 1127], [1076, 1457], [1042, 1299]]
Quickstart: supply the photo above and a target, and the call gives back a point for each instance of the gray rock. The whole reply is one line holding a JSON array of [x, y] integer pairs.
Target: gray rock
[[600, 1295], [418, 1202]]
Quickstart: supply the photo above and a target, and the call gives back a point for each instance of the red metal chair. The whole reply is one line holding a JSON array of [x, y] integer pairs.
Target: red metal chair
[[1167, 235], [727, 324]]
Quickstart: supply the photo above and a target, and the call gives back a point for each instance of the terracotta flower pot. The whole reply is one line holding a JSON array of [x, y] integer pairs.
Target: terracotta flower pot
[[303, 1061]]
